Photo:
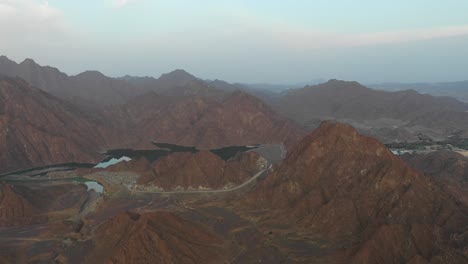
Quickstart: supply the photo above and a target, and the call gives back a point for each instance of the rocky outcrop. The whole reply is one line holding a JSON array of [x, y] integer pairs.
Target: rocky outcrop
[[156, 237], [201, 170]]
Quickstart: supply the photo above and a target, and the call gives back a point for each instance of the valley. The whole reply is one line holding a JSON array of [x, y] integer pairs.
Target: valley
[[233, 132], [185, 170], [260, 219]]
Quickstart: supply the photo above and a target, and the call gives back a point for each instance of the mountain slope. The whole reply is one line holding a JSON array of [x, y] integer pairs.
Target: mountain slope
[[348, 188], [207, 123], [92, 89], [156, 237], [457, 90], [202, 169], [368, 109], [242, 119], [447, 168], [181, 83], [38, 129], [87, 89]]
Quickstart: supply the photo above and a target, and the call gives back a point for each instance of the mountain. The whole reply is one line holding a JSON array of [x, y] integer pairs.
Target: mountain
[[180, 83], [201, 170], [458, 90], [87, 89], [449, 122], [350, 191], [38, 129], [175, 78], [268, 96], [207, 123], [92, 89], [278, 88], [241, 119], [447, 168], [97, 89], [367, 109], [47, 78], [154, 237]]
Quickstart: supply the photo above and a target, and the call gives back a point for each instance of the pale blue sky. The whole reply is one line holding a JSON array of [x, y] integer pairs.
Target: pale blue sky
[[244, 41]]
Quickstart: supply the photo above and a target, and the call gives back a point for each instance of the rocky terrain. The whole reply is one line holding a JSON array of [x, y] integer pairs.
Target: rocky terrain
[[457, 90], [447, 168], [389, 116], [202, 170], [348, 188], [156, 237], [86, 89], [333, 196], [338, 197], [206, 122], [180, 83], [92, 89], [14, 209], [39, 129]]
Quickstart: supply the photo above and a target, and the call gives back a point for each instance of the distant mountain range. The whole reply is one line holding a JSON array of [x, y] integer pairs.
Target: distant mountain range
[[94, 112], [389, 116], [93, 89], [38, 128], [337, 197], [278, 88], [458, 90]]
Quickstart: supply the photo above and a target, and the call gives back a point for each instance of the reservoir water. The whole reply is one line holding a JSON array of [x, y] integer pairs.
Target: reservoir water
[[112, 161], [92, 185]]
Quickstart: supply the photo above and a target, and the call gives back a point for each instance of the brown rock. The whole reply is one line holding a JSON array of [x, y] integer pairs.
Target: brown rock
[[342, 185], [205, 122], [356, 104], [14, 209], [201, 169], [39, 129], [156, 237], [449, 169]]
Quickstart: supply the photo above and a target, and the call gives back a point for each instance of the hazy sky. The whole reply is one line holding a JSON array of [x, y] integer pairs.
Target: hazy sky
[[274, 41]]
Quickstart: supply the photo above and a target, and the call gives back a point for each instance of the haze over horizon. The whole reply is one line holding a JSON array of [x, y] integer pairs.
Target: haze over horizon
[[241, 41]]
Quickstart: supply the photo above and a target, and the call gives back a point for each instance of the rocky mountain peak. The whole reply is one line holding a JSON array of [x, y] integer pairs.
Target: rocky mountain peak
[[178, 75], [29, 61]]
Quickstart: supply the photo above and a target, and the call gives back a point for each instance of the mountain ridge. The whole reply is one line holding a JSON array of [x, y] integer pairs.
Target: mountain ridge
[[349, 188]]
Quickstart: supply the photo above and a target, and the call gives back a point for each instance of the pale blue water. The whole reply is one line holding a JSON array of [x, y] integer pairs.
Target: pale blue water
[[111, 162], [92, 185]]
